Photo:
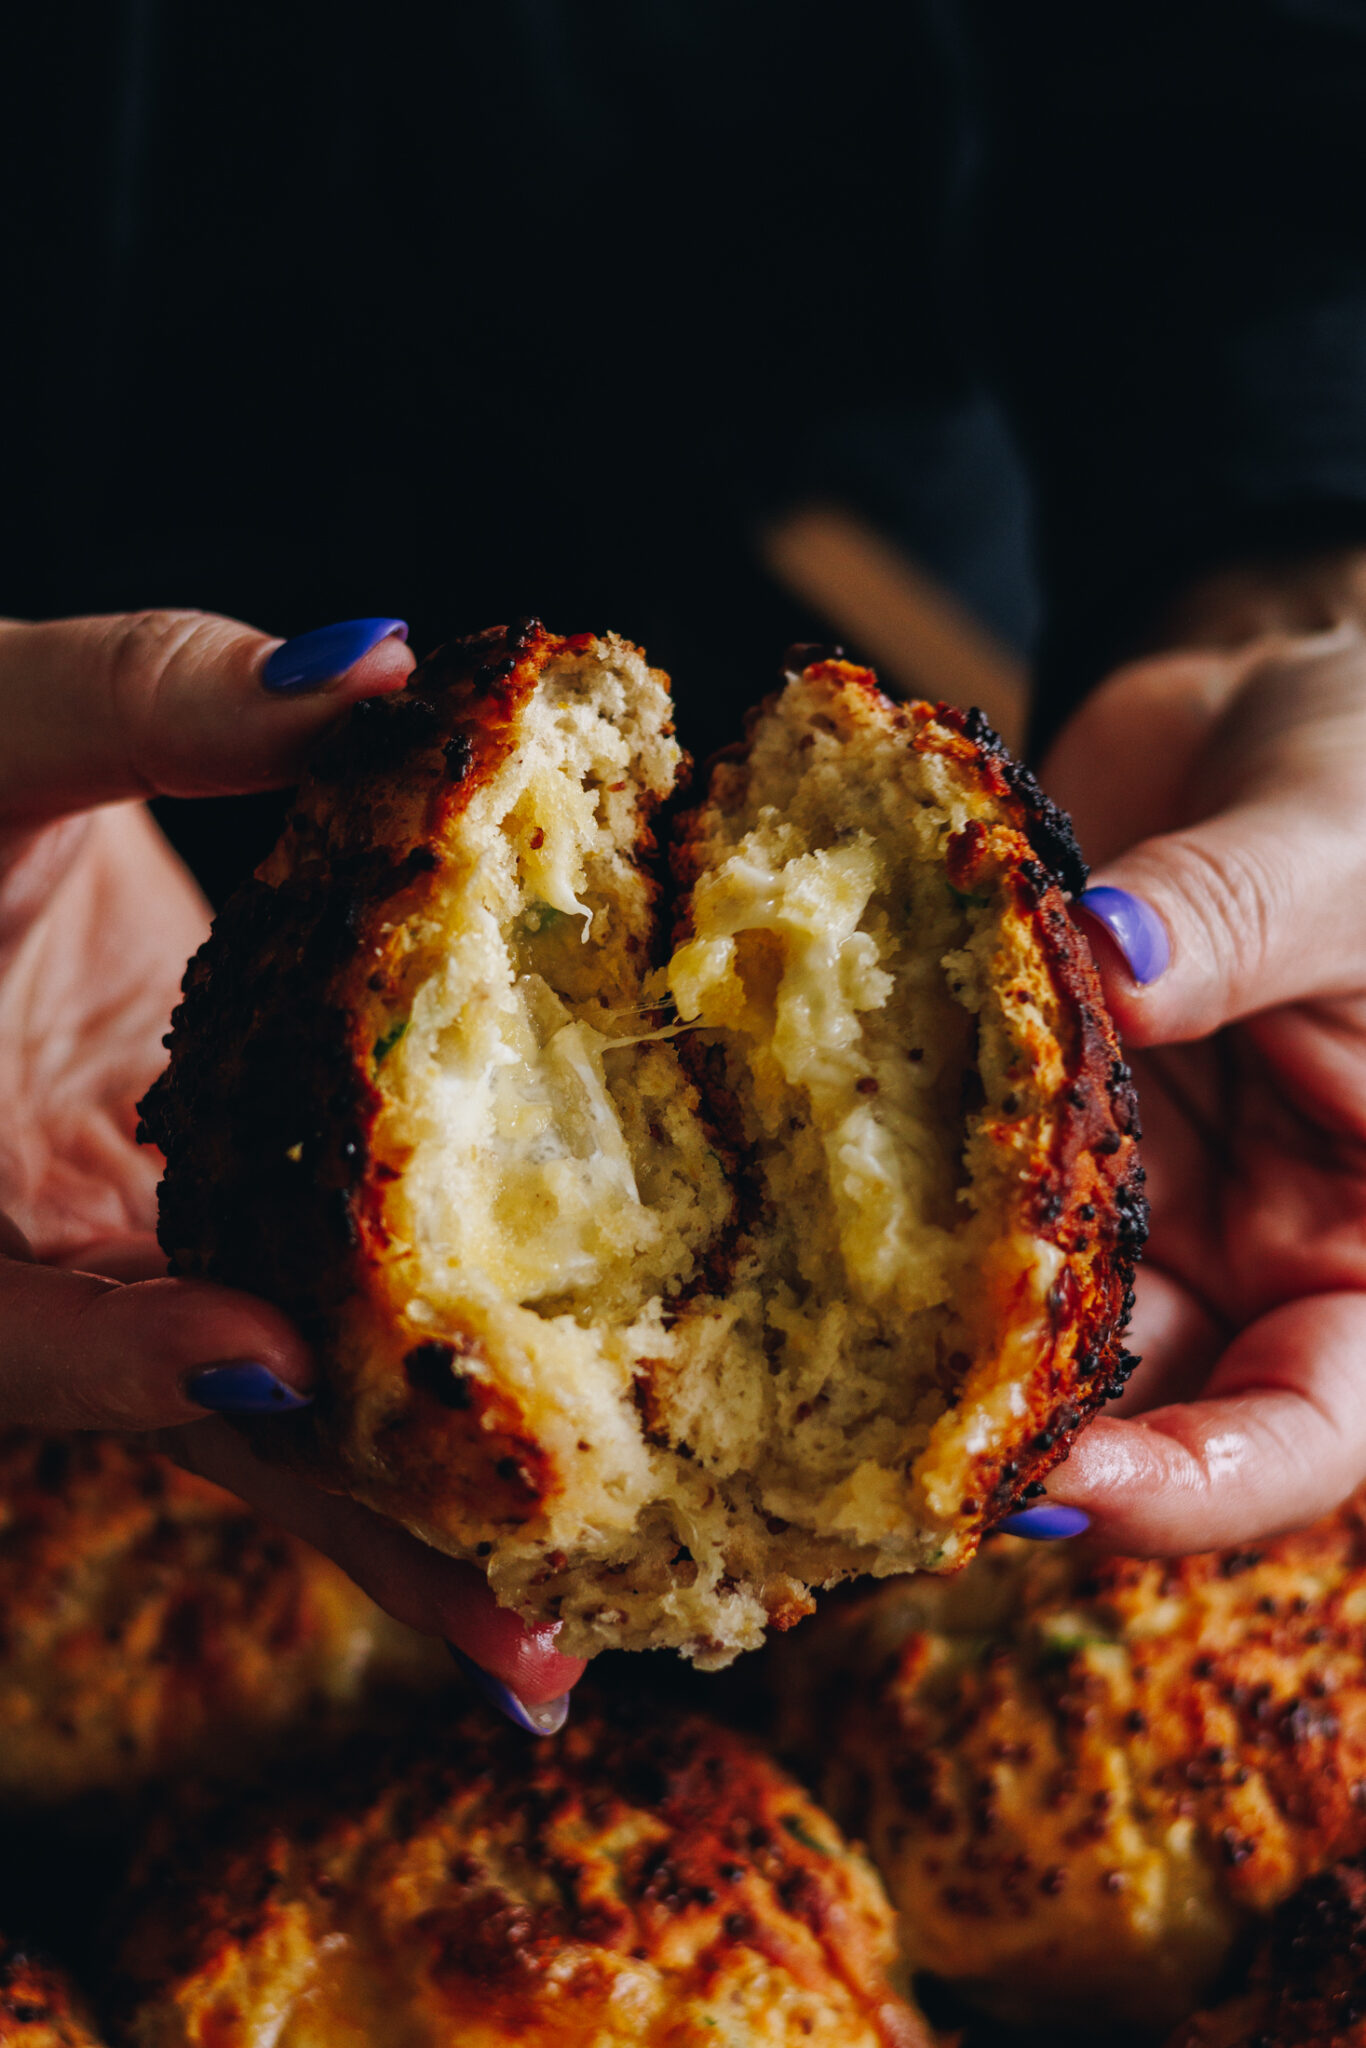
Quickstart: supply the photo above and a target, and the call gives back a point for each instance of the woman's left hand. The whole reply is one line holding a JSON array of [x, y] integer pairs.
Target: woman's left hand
[[1225, 788]]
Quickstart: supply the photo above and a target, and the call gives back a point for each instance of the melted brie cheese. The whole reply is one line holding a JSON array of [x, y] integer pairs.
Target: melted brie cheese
[[536, 1194], [779, 954]]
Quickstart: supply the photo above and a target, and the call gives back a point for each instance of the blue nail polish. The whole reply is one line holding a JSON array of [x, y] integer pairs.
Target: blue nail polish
[[242, 1387], [546, 1719], [311, 659], [1046, 1525], [1134, 926]]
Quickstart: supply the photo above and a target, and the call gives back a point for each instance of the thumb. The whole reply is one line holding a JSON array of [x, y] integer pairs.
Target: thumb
[[1256, 907], [1254, 900], [172, 704], [81, 1352]]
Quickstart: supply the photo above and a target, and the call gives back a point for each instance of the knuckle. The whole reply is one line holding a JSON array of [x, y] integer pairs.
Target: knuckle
[[144, 651], [144, 644], [1236, 896]]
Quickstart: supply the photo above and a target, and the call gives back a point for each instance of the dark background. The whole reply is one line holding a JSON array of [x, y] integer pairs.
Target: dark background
[[457, 312]]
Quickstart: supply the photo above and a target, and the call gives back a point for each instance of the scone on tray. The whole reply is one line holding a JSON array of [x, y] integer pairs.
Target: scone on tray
[[1085, 1779], [151, 1627], [668, 1258], [651, 1881]]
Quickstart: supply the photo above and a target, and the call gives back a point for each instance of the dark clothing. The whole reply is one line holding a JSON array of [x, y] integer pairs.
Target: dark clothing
[[321, 309], [1175, 251]]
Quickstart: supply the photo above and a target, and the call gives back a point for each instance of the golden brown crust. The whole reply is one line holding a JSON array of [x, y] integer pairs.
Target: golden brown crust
[[150, 1625], [38, 2006], [624, 1882], [1081, 1776], [1308, 1981]]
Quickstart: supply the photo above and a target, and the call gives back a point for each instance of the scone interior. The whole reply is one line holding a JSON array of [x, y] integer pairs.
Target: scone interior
[[740, 1227]]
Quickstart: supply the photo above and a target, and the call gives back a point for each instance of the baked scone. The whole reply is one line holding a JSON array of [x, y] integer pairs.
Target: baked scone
[[645, 1881], [150, 1625], [1083, 1777], [39, 2008], [666, 1285], [1308, 1982]]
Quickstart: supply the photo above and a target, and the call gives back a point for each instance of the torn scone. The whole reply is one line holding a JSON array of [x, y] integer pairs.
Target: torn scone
[[665, 1285]]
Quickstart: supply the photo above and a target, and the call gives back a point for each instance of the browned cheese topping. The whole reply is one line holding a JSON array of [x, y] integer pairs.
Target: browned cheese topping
[[1082, 1777], [663, 1886], [150, 1625]]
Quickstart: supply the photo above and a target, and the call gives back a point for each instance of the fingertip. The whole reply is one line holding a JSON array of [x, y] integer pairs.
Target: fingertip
[[1136, 933], [544, 1717], [195, 1338], [522, 1658], [381, 672]]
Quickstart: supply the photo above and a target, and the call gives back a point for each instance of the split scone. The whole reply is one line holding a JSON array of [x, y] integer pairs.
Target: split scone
[[666, 1285], [1307, 1986], [649, 1881], [38, 2006], [150, 1625], [1083, 1778]]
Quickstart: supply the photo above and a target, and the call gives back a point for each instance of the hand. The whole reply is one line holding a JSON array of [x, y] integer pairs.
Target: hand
[[1225, 786], [97, 918]]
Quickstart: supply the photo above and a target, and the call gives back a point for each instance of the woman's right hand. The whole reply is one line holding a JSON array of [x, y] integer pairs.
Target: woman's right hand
[[97, 919], [1223, 787]]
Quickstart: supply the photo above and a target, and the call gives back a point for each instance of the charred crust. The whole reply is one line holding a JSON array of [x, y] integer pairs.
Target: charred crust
[[379, 735], [1319, 1935], [458, 754], [244, 1211], [1046, 826], [435, 1368]]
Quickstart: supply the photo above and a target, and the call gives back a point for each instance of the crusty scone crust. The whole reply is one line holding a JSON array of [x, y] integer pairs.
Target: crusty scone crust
[[1082, 1187], [510, 1883], [267, 1113]]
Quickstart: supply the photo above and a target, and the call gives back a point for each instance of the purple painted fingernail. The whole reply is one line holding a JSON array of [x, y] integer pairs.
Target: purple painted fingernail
[[1046, 1525], [1134, 926], [546, 1719], [310, 660], [242, 1387]]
